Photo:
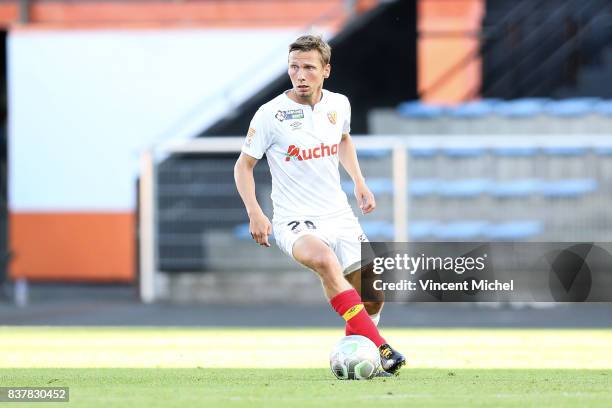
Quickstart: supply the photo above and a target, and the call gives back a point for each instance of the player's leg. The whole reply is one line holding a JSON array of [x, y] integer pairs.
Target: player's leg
[[373, 307], [310, 247], [349, 238], [357, 269], [313, 253]]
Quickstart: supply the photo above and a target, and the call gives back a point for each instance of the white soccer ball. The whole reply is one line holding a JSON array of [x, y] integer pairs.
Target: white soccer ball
[[354, 358]]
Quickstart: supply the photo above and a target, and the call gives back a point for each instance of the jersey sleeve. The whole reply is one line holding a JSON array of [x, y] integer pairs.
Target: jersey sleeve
[[258, 138], [346, 127]]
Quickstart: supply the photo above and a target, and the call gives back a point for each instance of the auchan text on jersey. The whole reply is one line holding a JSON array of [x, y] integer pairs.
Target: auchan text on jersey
[[312, 153]]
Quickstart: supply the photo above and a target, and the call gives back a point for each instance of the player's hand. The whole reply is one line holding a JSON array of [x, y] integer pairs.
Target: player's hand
[[260, 228], [365, 198]]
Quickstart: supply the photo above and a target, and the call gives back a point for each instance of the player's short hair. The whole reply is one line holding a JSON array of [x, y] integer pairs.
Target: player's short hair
[[312, 42]]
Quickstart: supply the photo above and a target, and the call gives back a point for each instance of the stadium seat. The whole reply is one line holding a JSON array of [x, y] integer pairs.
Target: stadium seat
[[463, 188], [423, 187], [373, 153], [376, 185], [515, 151], [568, 188], [380, 185], [242, 231], [416, 109], [565, 151], [570, 107], [473, 109], [603, 107], [604, 151], [379, 229], [514, 188], [421, 229], [422, 151], [461, 230], [463, 151], [521, 107], [515, 230]]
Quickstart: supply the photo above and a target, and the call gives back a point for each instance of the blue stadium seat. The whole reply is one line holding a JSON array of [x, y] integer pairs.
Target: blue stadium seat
[[421, 229], [416, 109], [604, 151], [423, 187], [241, 231], [565, 151], [515, 151], [463, 188], [376, 185], [514, 188], [521, 107], [571, 107], [569, 187], [380, 185], [461, 230], [373, 153], [378, 229], [514, 230], [423, 151], [464, 151], [473, 109], [603, 107]]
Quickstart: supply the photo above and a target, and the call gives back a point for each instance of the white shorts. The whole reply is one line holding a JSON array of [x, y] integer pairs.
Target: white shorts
[[342, 234]]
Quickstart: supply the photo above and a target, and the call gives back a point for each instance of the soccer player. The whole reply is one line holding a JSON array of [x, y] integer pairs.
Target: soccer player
[[304, 133]]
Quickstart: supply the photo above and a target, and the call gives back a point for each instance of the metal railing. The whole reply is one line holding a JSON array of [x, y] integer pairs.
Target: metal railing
[[428, 188]]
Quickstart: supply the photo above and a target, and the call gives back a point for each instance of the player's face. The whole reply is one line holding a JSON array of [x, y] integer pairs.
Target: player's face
[[307, 73]]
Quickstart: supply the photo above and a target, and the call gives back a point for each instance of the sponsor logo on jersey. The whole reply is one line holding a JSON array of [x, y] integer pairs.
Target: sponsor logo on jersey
[[296, 125], [323, 150], [294, 114], [280, 116], [332, 116], [362, 238], [250, 137], [289, 114]]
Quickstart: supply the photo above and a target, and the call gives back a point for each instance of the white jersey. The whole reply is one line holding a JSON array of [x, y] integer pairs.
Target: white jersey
[[301, 145]]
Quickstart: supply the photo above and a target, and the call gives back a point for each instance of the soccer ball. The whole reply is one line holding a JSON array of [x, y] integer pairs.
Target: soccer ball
[[354, 358]]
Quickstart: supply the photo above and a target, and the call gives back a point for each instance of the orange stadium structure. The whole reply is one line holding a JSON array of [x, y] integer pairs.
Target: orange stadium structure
[[448, 33], [155, 14]]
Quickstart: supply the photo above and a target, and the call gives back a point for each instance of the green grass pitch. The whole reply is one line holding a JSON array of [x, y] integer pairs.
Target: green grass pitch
[[176, 367]]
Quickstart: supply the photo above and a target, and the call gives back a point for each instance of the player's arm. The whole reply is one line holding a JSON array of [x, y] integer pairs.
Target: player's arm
[[348, 158], [259, 225]]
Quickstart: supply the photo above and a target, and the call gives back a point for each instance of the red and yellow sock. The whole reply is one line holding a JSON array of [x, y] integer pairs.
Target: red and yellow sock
[[349, 331], [348, 305]]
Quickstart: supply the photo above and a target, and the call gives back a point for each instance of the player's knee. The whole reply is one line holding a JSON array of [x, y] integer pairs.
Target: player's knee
[[373, 307], [325, 265]]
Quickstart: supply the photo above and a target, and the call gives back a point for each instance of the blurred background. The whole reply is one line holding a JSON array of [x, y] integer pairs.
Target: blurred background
[[475, 120]]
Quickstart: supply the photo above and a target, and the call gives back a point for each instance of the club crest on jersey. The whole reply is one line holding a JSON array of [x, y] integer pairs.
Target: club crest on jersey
[[323, 150], [332, 116]]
